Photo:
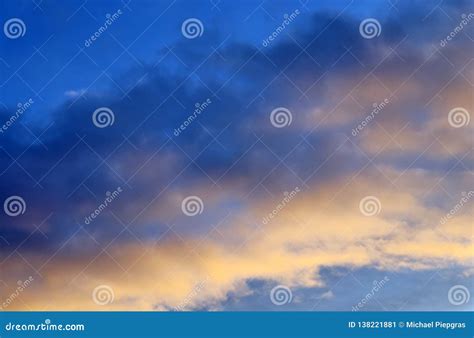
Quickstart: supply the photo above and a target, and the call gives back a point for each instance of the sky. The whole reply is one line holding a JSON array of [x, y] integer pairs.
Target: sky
[[236, 156]]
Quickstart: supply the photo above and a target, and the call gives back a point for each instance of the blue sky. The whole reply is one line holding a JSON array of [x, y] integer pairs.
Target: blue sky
[[265, 128]]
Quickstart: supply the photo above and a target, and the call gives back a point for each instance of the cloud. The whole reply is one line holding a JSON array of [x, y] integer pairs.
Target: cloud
[[309, 233], [408, 156]]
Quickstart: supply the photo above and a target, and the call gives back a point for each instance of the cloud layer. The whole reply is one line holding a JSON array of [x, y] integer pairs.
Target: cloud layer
[[367, 174]]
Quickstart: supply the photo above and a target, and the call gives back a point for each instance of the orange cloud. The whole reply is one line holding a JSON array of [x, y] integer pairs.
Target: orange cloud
[[321, 226]]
